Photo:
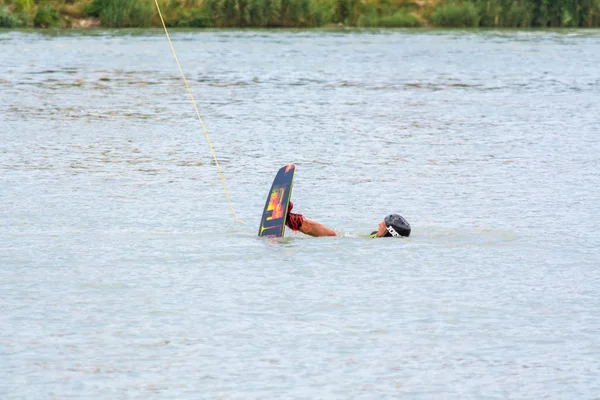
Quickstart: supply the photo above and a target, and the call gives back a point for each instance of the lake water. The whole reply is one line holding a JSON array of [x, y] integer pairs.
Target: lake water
[[123, 273]]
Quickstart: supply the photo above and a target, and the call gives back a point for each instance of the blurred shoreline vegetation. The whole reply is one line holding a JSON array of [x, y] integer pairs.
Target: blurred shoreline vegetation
[[300, 13]]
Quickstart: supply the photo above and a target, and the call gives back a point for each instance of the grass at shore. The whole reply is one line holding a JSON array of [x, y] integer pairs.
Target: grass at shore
[[300, 13]]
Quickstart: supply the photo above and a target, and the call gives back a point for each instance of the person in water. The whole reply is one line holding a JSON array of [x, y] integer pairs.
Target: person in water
[[394, 225]]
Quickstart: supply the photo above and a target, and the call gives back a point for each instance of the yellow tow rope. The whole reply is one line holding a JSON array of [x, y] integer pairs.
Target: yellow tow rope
[[197, 113]]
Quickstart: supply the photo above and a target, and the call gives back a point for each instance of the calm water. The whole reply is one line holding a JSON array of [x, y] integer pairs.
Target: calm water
[[123, 273]]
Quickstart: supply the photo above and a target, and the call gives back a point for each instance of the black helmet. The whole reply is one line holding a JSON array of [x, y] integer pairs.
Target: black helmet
[[396, 226]]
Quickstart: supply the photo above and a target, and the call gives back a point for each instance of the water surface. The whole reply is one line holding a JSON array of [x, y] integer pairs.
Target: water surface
[[123, 273]]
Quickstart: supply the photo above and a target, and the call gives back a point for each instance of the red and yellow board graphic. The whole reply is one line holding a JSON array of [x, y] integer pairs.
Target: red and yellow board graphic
[[276, 205], [275, 212]]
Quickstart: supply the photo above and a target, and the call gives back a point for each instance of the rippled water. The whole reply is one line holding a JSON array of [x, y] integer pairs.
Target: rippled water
[[123, 273]]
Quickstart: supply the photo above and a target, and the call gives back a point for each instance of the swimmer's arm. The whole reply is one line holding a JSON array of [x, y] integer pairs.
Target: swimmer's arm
[[313, 228]]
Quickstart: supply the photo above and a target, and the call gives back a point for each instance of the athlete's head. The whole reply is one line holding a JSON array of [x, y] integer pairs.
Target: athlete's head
[[393, 225]]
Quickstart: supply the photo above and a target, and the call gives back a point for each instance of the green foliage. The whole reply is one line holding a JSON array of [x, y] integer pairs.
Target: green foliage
[[568, 19], [518, 15], [400, 20], [228, 13], [47, 17], [23, 5], [189, 18], [369, 20], [490, 12], [555, 14], [122, 13], [540, 13], [564, 13], [343, 11], [306, 13], [95, 8], [385, 16], [590, 13], [23, 12], [209, 9], [397, 20], [299, 13], [261, 13], [323, 11], [8, 20], [347, 12], [456, 15], [593, 16]]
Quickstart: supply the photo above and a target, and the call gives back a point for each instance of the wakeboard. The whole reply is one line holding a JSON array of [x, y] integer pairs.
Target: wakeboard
[[272, 223]]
